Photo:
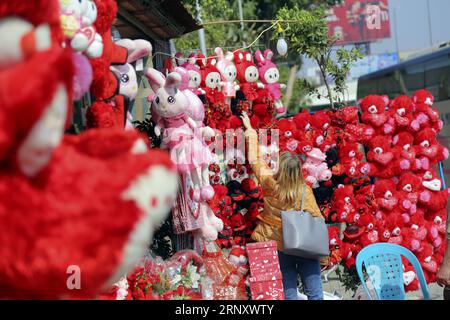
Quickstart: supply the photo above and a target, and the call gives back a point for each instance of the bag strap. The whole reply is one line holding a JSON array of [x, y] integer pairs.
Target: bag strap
[[303, 197]]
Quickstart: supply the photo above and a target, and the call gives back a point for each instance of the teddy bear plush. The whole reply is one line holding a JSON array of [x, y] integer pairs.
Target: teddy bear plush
[[289, 135], [374, 113], [379, 158], [433, 197], [315, 168], [428, 262], [262, 116], [108, 110], [408, 157], [303, 120], [344, 202], [395, 225], [401, 110], [429, 147], [350, 158], [408, 188], [386, 194], [368, 224], [425, 116], [439, 219]]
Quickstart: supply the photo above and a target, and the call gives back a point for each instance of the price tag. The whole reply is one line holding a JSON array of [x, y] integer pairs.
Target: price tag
[[140, 65]]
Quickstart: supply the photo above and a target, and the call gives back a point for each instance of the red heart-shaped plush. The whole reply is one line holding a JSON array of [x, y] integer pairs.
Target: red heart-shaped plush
[[384, 158], [431, 266]]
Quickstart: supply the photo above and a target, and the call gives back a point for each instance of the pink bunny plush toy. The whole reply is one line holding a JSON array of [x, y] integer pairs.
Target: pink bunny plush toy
[[126, 73], [228, 72], [195, 77], [269, 76], [196, 108], [187, 148]]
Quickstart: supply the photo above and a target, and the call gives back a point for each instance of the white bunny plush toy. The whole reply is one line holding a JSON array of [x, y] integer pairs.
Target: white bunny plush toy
[[180, 132]]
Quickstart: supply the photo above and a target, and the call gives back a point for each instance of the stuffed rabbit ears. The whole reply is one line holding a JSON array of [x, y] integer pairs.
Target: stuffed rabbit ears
[[137, 49], [221, 56], [240, 57], [267, 56], [157, 80]]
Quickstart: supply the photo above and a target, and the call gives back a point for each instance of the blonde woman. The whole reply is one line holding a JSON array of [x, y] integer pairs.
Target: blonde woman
[[283, 192]]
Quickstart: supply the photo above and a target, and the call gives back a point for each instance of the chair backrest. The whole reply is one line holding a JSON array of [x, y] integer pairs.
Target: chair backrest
[[383, 264]]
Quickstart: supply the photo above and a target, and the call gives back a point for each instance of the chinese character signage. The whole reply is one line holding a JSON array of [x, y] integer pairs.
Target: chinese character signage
[[356, 21]]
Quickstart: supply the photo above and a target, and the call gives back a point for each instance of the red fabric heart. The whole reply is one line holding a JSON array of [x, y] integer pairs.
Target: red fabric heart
[[384, 158]]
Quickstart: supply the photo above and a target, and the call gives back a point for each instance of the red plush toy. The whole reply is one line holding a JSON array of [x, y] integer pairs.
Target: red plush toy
[[408, 189], [57, 219], [350, 158], [303, 120], [429, 147], [425, 116], [247, 74], [344, 202], [108, 111], [289, 135], [428, 262], [433, 197], [401, 110], [395, 224], [262, 116], [408, 157], [368, 224], [374, 113], [386, 196], [210, 83], [380, 157]]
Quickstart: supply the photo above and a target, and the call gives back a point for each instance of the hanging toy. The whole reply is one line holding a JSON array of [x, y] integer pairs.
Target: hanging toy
[[77, 19], [137, 49], [247, 75], [269, 76], [187, 148], [227, 71], [210, 82]]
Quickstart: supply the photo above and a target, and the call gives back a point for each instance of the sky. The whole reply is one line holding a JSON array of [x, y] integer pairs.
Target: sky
[[413, 25]]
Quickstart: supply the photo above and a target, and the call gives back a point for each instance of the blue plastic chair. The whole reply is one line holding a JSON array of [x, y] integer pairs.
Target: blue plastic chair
[[383, 264]]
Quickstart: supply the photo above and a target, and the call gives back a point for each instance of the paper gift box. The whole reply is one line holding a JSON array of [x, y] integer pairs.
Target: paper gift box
[[261, 245], [263, 258], [267, 287]]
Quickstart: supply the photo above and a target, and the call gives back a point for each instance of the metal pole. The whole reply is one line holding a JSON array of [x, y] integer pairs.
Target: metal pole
[[396, 33], [430, 26], [201, 32], [241, 17]]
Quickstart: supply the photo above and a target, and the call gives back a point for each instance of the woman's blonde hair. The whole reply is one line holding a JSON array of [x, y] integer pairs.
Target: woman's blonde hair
[[289, 179]]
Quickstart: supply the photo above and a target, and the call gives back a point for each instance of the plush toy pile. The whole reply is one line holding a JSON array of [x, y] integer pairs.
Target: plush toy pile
[[377, 176], [371, 167]]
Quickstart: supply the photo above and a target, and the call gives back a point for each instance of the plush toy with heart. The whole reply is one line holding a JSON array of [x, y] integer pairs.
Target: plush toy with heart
[[425, 116], [379, 156], [374, 113]]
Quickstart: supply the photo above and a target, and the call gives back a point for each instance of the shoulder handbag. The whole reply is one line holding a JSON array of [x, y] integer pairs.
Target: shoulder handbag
[[304, 235]]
